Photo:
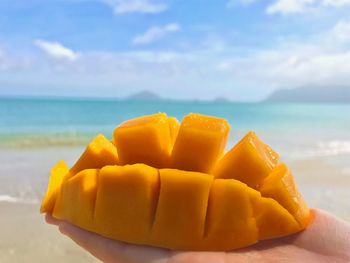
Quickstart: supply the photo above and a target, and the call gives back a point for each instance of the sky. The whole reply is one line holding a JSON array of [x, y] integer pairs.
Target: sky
[[201, 49]]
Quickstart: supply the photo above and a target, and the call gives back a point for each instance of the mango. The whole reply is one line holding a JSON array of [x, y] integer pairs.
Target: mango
[[273, 220], [145, 140], [98, 153], [58, 172], [200, 142], [174, 127], [76, 201], [126, 201], [250, 161], [280, 185], [169, 185], [230, 222], [181, 209]]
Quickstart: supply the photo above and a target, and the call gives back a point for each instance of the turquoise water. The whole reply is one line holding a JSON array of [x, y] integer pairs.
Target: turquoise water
[[313, 139], [288, 127]]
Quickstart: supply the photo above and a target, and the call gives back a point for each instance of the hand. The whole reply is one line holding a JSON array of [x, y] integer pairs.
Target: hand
[[327, 239]]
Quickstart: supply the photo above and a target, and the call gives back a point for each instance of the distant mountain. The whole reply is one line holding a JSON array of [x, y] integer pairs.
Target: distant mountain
[[331, 94], [221, 99], [144, 95]]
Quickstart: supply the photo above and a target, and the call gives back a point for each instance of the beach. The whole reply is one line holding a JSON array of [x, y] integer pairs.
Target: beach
[[312, 140]]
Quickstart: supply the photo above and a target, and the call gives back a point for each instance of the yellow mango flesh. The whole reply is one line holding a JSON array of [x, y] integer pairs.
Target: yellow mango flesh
[[58, 172], [205, 204], [145, 140], [280, 186], [180, 217], [230, 221], [174, 127], [98, 153], [170, 208], [76, 201], [273, 220], [200, 142], [126, 201], [250, 161]]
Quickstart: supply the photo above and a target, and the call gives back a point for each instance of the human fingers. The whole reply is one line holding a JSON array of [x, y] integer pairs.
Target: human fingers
[[51, 220], [113, 251]]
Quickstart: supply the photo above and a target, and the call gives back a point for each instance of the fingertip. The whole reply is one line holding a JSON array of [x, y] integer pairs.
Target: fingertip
[[51, 220], [66, 228]]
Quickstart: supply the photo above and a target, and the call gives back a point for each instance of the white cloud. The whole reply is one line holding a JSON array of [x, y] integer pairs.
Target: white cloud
[[286, 7], [290, 6], [56, 50], [323, 59], [341, 32], [231, 3], [207, 70], [154, 33], [135, 6], [337, 3]]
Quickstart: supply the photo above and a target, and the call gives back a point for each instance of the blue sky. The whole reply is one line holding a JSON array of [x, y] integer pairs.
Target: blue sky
[[200, 49]]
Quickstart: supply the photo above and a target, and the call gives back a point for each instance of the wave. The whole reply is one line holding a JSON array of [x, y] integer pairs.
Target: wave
[[330, 148], [12, 199], [44, 140]]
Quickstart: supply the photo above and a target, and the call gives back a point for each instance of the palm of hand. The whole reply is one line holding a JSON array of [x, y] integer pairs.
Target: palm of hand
[[327, 239]]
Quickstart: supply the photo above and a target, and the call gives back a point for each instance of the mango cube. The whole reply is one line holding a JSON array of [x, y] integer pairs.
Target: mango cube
[[76, 201], [250, 161], [58, 172], [280, 185], [144, 140], [126, 201], [230, 221], [98, 153], [273, 220], [181, 210], [200, 142], [174, 126]]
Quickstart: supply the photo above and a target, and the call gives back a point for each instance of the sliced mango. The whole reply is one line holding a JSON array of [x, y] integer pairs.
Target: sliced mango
[[280, 185], [200, 142], [250, 161], [273, 220], [174, 126], [195, 203], [57, 174], [126, 201], [145, 140], [180, 217], [98, 153], [230, 222], [76, 201]]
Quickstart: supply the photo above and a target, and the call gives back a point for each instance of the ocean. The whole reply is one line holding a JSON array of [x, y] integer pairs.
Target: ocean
[[294, 129], [314, 139]]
